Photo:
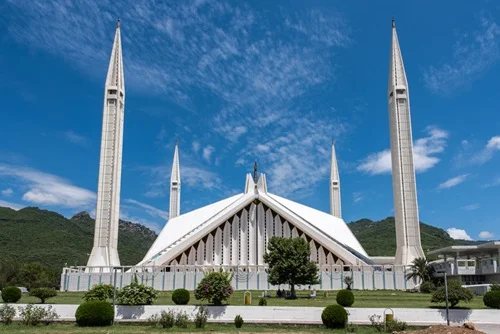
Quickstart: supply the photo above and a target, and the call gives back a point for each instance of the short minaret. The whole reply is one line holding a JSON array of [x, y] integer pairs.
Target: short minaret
[[403, 172], [335, 206], [175, 186], [105, 250]]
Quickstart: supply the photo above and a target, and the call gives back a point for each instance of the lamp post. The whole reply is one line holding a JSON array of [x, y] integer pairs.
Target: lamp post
[[114, 292], [446, 294]]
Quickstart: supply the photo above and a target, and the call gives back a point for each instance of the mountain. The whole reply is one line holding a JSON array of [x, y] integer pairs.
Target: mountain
[[35, 235], [379, 237]]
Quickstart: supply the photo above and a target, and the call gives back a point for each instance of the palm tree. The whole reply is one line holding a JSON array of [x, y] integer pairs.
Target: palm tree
[[420, 269]]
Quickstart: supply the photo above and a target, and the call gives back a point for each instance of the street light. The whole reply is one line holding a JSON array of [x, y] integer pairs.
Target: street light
[[446, 294]]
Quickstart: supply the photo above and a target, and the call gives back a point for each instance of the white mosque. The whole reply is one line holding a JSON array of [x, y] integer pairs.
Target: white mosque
[[233, 233]]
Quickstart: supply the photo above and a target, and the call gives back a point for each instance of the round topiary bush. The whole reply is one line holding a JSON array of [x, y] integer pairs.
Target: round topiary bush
[[94, 313], [427, 287], [11, 294], [180, 297], [492, 299], [345, 298], [334, 316]]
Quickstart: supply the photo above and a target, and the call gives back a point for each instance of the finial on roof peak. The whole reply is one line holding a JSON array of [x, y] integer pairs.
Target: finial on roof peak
[[393, 22], [176, 142], [118, 23], [255, 172]]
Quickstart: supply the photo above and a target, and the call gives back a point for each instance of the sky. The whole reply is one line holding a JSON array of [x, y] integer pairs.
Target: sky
[[235, 82]]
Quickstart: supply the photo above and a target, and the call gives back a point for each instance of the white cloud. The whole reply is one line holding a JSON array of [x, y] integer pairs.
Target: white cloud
[[473, 54], [207, 152], [13, 206], [357, 197], [196, 146], [471, 207], [44, 188], [151, 210], [7, 192], [76, 138], [424, 151], [458, 234], [494, 183], [454, 181], [486, 235], [488, 151]]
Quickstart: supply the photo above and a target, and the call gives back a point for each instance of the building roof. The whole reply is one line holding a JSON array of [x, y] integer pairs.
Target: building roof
[[182, 230], [493, 246]]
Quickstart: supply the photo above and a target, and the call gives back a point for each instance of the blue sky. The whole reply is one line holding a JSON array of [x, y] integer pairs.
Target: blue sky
[[234, 82]]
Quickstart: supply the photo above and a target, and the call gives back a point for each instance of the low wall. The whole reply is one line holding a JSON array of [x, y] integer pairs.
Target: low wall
[[364, 278], [294, 315]]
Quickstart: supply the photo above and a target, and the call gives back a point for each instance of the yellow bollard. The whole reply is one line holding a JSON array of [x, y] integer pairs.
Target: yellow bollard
[[248, 298]]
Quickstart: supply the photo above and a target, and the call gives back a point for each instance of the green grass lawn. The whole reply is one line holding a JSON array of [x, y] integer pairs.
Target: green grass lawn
[[212, 328], [363, 298]]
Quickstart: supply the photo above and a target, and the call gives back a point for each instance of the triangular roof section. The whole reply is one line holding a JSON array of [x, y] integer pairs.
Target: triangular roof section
[[183, 231]]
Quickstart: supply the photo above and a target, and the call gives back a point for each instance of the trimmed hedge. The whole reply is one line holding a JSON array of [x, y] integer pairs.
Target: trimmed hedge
[[345, 298], [95, 313], [43, 293], [11, 294], [492, 299], [334, 316], [180, 297]]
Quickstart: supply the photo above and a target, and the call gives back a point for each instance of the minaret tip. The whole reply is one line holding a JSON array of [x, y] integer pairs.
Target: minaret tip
[[118, 23], [177, 142], [255, 172], [393, 22]]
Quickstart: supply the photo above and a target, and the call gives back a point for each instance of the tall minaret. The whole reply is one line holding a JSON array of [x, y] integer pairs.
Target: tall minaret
[[105, 250], [335, 207], [175, 186], [403, 172]]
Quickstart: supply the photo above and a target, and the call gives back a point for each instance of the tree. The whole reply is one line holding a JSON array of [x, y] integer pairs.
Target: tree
[[289, 263], [43, 293], [33, 275], [215, 287], [8, 273], [456, 294], [420, 269]]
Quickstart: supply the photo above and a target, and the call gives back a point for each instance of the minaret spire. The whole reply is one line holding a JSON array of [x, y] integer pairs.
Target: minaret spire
[[175, 185], [408, 244], [255, 172], [105, 250], [335, 206]]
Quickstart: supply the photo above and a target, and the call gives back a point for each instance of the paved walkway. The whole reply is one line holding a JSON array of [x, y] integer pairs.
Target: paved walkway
[[490, 329]]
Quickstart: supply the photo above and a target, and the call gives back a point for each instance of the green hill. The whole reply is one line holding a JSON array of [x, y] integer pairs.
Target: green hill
[[35, 235], [379, 238]]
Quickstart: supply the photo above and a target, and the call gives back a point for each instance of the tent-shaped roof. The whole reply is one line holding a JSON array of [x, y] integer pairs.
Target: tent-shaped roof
[[182, 231]]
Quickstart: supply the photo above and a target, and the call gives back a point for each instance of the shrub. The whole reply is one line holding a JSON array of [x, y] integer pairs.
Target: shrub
[[348, 280], [238, 321], [167, 319], [11, 294], [494, 286], [7, 313], [376, 322], [180, 297], [427, 287], [492, 299], [325, 294], [201, 318], [215, 287], [456, 294], [262, 301], [34, 315], [396, 325], [136, 294], [181, 320], [334, 316], [99, 292], [94, 313], [345, 298], [43, 293], [351, 328]]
